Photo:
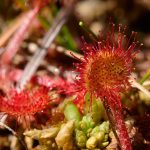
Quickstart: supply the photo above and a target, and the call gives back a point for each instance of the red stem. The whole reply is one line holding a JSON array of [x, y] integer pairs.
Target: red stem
[[116, 118], [16, 41]]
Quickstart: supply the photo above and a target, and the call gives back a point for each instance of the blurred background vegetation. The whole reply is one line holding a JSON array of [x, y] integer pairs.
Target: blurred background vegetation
[[95, 15]]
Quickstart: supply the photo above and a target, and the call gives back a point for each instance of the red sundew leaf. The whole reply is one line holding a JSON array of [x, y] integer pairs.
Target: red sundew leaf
[[8, 75], [25, 103], [15, 74], [104, 72], [79, 101], [61, 85], [16, 41]]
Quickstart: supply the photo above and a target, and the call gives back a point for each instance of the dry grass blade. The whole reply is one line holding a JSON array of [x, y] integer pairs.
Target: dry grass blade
[[69, 53], [7, 33], [32, 66], [14, 133], [139, 86], [146, 83]]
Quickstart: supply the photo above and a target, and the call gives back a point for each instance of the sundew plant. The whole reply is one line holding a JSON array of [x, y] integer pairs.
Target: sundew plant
[[70, 79], [105, 71]]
